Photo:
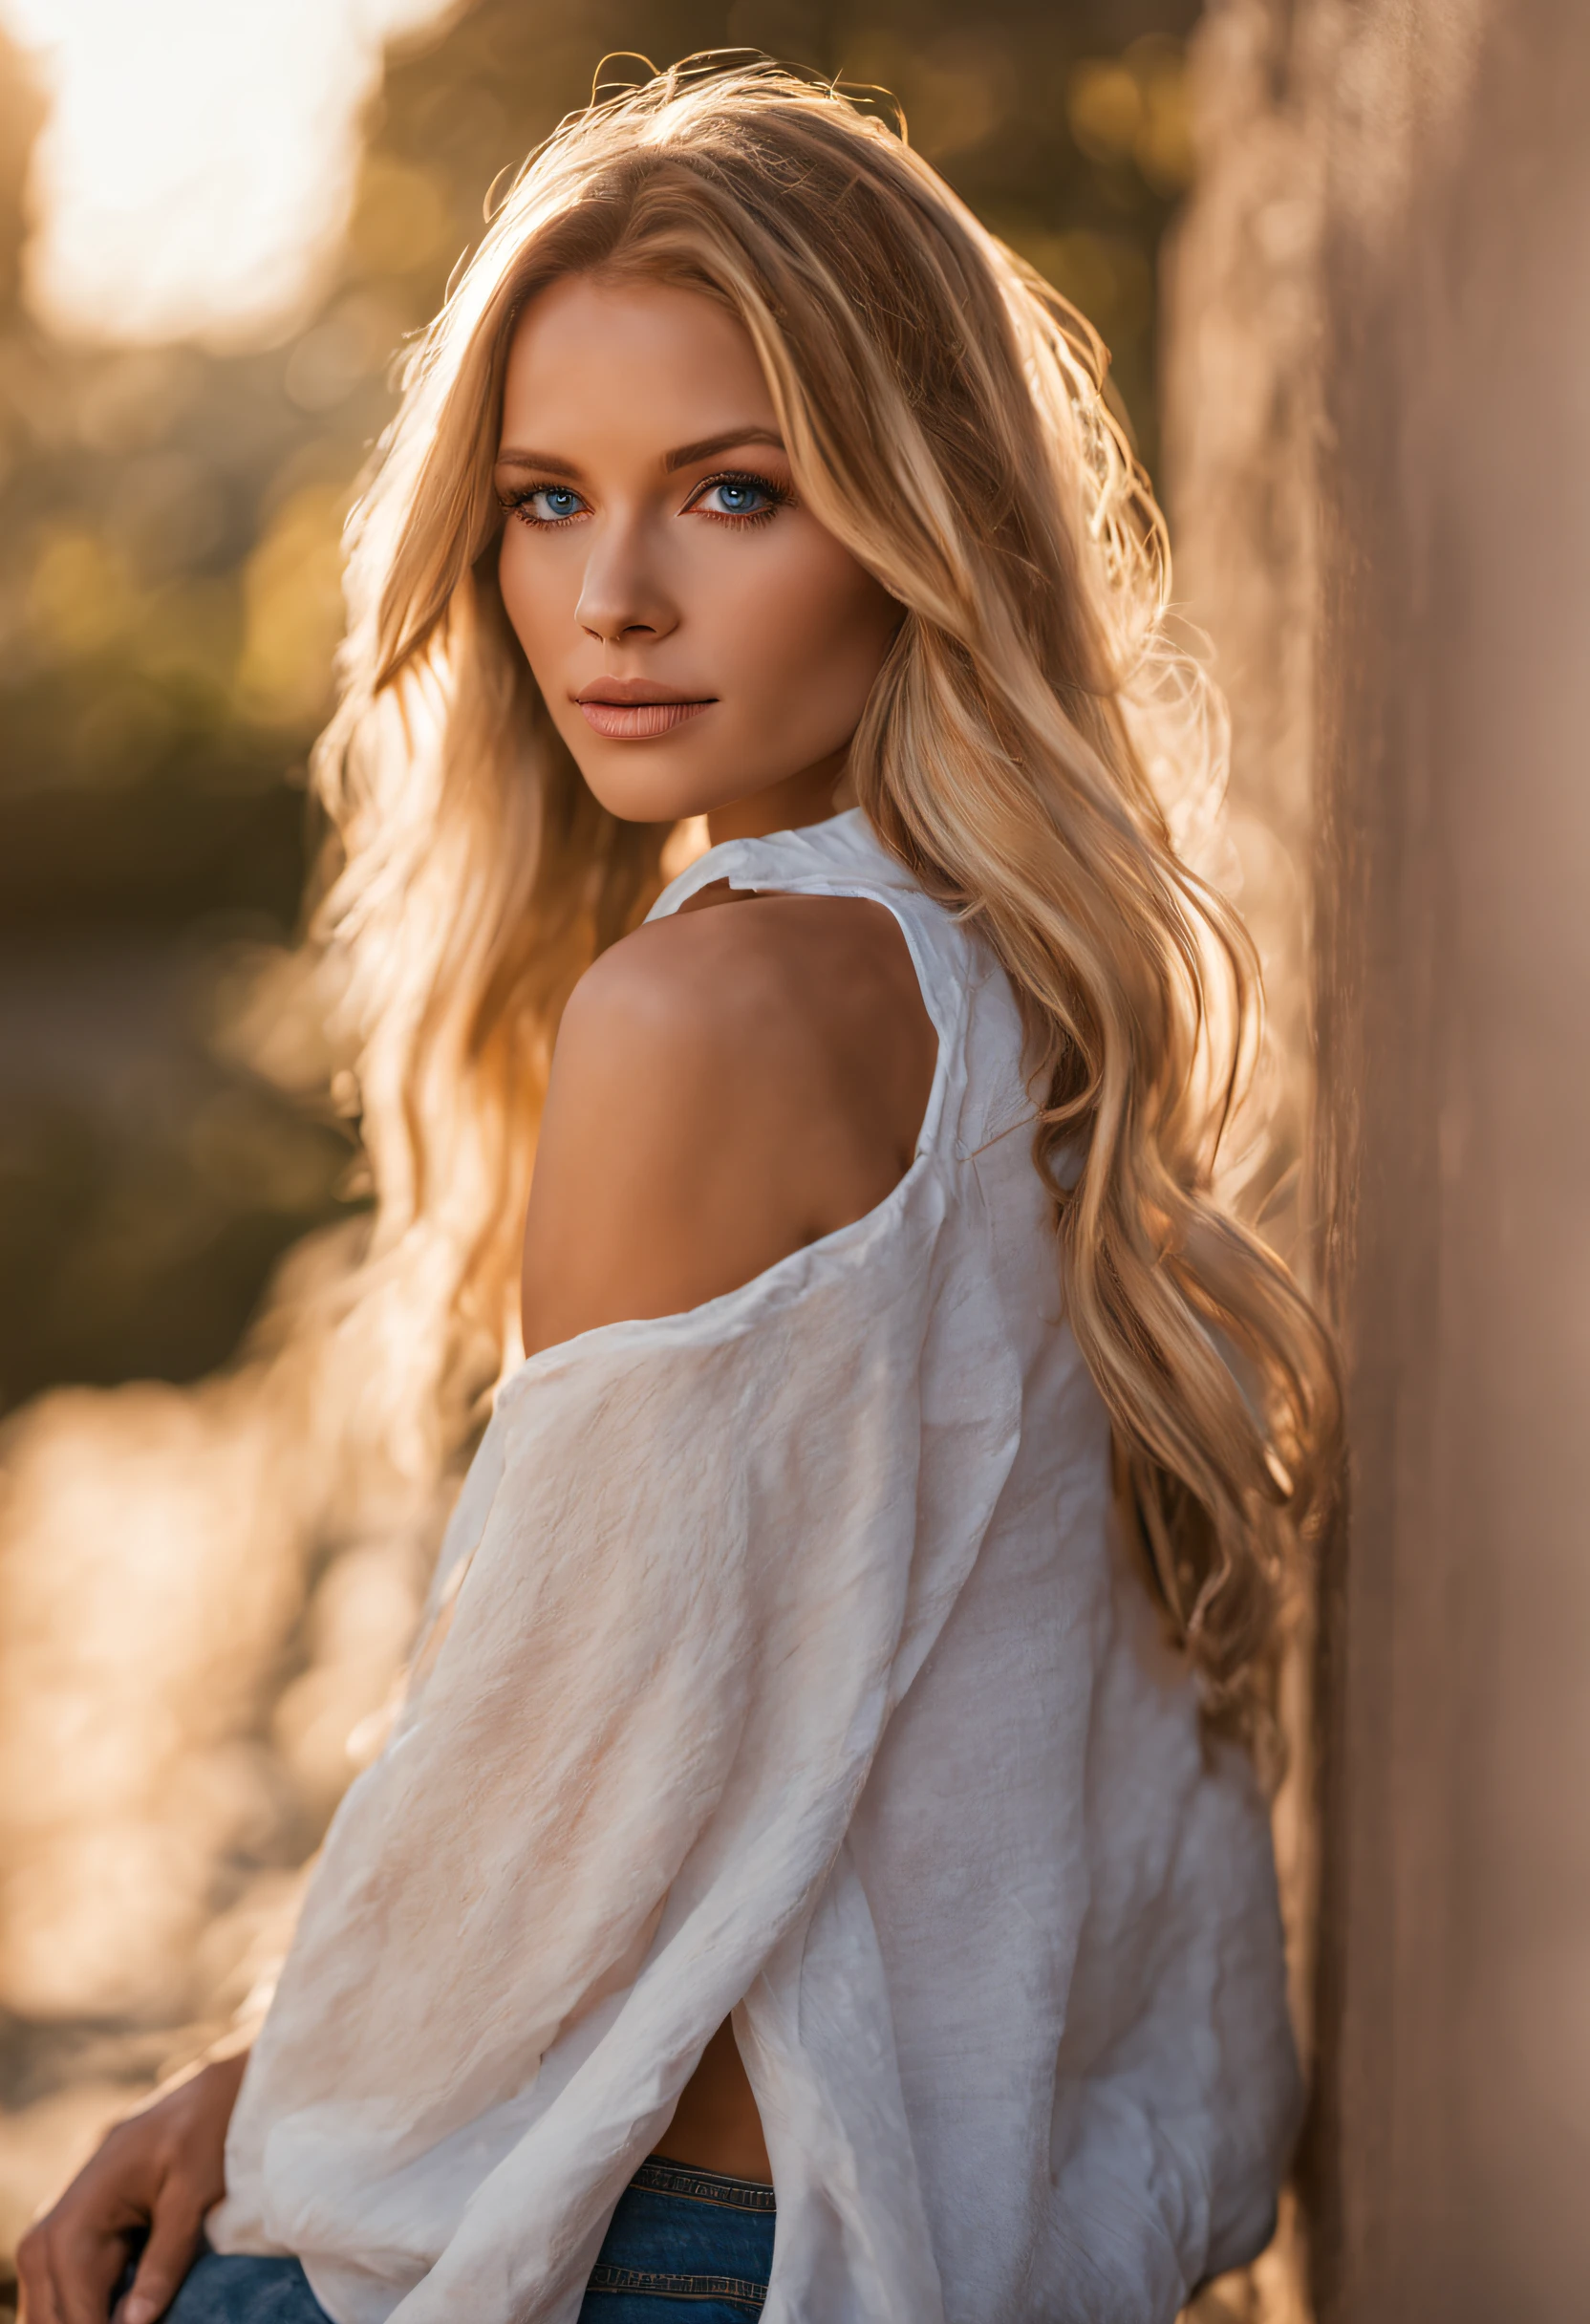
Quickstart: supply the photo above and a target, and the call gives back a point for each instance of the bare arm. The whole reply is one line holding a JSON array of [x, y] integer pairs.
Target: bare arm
[[158, 2172]]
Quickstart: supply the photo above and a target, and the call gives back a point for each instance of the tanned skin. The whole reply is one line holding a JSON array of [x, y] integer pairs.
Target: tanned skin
[[729, 1085]]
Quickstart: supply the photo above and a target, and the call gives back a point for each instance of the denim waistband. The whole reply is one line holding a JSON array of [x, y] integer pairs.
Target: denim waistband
[[664, 2178]]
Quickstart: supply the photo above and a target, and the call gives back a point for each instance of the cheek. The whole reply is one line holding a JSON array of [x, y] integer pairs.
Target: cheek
[[530, 593], [809, 617]]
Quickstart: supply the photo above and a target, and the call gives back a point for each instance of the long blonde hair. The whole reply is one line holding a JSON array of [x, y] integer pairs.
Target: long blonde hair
[[944, 415]]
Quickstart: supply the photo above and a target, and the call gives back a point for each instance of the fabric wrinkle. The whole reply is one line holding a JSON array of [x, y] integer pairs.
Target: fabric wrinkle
[[782, 1662]]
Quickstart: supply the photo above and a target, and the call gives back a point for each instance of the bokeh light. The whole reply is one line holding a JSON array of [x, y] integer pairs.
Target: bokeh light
[[198, 168]]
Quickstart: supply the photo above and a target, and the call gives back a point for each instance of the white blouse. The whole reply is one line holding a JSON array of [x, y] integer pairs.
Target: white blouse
[[792, 1670]]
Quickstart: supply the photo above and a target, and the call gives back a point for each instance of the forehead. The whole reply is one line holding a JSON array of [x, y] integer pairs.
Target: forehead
[[591, 357]]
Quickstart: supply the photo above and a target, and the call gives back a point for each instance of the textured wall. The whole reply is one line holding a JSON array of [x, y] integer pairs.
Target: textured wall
[[1380, 449]]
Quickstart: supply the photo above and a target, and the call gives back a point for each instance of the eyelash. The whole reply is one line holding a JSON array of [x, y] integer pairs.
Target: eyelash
[[516, 503], [777, 497]]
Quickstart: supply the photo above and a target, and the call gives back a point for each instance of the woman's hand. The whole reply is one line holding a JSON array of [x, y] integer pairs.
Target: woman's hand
[[158, 2172]]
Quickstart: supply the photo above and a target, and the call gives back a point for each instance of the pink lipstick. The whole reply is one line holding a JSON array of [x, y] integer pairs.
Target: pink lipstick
[[638, 709]]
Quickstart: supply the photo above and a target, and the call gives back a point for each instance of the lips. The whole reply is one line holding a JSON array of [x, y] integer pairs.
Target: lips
[[636, 722], [636, 710]]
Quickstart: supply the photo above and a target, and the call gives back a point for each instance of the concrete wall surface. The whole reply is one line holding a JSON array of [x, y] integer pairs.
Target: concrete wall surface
[[1379, 450]]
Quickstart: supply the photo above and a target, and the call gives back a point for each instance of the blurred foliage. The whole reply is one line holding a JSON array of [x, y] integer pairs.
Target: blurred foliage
[[169, 604]]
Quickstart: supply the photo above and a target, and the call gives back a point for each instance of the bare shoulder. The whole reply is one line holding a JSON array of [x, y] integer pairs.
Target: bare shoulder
[[729, 1084], [723, 981], [761, 1035]]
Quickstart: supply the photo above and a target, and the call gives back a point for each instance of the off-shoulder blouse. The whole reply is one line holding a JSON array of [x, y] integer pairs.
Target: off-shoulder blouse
[[791, 1669]]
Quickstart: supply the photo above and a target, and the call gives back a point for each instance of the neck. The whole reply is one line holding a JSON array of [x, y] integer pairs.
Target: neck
[[811, 796]]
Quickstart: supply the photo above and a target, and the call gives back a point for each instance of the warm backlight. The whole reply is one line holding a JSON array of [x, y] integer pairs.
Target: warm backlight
[[196, 172]]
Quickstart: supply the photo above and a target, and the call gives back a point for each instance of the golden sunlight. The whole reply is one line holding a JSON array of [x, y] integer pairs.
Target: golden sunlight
[[197, 171]]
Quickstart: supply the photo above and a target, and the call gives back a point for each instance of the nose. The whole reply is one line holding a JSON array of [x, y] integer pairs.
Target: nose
[[623, 595]]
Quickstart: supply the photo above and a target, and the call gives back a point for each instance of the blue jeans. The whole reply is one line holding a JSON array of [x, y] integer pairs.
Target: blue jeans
[[684, 2247]]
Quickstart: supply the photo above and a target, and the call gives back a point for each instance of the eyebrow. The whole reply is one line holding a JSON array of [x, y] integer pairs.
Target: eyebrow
[[553, 463], [689, 453]]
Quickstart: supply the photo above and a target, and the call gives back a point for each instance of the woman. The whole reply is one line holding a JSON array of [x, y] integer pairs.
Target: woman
[[808, 1788]]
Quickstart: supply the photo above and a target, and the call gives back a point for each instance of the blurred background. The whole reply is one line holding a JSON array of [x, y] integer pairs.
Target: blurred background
[[1341, 256], [218, 227]]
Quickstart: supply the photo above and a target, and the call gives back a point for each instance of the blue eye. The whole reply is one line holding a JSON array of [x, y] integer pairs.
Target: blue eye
[[746, 497], [741, 500], [551, 504], [544, 504]]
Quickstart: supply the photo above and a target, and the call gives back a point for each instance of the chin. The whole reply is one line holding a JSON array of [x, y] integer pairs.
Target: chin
[[633, 799], [636, 783]]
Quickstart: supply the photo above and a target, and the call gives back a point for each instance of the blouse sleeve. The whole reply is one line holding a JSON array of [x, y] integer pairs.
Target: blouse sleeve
[[699, 1584]]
